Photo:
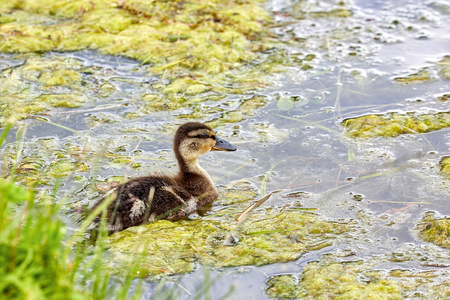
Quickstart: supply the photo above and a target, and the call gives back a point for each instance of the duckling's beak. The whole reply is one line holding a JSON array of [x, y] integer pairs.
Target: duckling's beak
[[222, 145]]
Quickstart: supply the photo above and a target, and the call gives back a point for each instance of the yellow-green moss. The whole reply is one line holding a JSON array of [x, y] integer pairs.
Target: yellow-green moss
[[338, 12], [328, 9], [434, 230], [237, 193], [420, 77], [282, 286], [445, 166], [332, 281], [266, 237], [202, 50], [330, 278], [35, 87], [394, 124], [246, 108], [212, 36], [424, 75], [44, 161], [444, 67], [62, 100]]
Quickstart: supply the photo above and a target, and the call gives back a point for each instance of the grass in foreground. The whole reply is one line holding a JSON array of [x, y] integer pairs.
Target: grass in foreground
[[38, 258]]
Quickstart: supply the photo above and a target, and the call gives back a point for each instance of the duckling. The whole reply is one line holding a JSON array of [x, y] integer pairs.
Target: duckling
[[155, 197]]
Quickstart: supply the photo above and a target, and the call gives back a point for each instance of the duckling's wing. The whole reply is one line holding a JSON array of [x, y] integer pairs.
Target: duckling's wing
[[134, 200], [172, 202], [131, 205]]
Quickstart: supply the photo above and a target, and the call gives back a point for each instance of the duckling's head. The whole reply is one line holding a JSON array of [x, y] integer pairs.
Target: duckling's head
[[194, 139]]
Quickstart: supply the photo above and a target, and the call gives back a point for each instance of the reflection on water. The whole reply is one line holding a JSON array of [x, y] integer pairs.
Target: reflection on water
[[384, 184]]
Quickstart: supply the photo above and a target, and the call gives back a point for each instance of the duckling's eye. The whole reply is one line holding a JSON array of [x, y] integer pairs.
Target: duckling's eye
[[203, 135]]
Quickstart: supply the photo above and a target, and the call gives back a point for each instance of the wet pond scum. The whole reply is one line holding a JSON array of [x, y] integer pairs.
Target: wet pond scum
[[352, 208]]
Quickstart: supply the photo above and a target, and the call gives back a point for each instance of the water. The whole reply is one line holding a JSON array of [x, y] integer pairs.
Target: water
[[385, 185]]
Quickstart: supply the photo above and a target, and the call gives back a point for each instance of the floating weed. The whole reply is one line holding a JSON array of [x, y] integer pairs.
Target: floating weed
[[425, 75], [335, 280], [43, 83], [268, 236], [445, 166], [394, 124], [205, 52], [330, 277], [38, 85], [237, 192], [435, 230], [62, 100], [45, 163], [444, 67], [246, 108], [421, 76], [329, 9], [287, 102], [201, 39]]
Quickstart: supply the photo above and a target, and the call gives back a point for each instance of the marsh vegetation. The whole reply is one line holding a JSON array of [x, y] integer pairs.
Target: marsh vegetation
[[339, 109]]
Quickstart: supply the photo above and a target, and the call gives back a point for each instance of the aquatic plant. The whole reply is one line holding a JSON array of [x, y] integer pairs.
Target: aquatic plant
[[331, 277], [394, 124], [177, 40], [334, 280], [445, 166], [39, 257], [269, 236], [197, 48], [422, 76], [434, 230]]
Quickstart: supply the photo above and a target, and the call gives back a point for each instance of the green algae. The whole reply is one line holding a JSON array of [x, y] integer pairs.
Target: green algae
[[202, 50], [245, 109], [394, 124], [39, 85], [214, 36], [271, 235], [434, 230], [282, 286], [62, 100], [333, 280], [237, 193], [337, 13], [330, 278], [428, 74], [44, 162], [421, 76], [445, 166], [326, 9], [430, 280], [42, 83], [443, 67]]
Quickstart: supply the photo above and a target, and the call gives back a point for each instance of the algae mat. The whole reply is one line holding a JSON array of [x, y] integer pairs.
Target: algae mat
[[201, 51], [394, 124], [166, 248], [329, 279]]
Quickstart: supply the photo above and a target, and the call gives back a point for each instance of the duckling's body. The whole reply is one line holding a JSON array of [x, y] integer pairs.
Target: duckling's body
[[143, 199]]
